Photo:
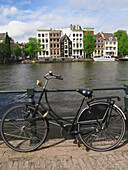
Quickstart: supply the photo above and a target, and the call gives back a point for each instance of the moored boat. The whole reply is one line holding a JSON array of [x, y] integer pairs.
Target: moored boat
[[123, 58], [104, 58]]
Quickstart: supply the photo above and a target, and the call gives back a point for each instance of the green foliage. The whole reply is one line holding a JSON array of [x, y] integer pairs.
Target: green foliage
[[17, 50], [89, 43], [32, 47], [122, 38], [5, 51], [119, 34]]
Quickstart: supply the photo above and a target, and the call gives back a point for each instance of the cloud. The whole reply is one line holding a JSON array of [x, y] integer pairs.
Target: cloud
[[10, 11], [101, 15], [20, 31], [99, 4]]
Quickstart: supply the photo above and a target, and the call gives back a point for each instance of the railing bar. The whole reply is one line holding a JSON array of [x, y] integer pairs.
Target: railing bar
[[65, 90]]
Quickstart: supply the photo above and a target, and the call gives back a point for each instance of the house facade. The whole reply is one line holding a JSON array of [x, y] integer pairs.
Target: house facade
[[65, 46], [106, 45], [9, 40], [52, 42]]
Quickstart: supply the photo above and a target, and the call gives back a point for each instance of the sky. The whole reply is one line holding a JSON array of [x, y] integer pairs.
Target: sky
[[22, 18]]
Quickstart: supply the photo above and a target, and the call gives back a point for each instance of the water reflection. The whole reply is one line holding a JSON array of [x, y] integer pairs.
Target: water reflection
[[77, 74]]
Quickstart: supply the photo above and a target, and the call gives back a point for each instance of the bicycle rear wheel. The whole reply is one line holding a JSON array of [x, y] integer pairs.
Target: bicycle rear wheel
[[22, 132], [97, 135]]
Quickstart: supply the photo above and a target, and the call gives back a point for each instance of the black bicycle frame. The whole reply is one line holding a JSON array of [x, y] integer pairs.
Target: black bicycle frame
[[55, 116]]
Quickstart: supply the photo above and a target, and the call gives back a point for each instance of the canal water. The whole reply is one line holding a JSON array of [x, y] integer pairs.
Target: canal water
[[75, 74]]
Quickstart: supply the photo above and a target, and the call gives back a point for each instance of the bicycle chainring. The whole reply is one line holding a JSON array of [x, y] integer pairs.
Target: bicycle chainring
[[65, 134]]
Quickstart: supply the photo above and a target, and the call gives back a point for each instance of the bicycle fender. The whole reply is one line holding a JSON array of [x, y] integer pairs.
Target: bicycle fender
[[121, 112]]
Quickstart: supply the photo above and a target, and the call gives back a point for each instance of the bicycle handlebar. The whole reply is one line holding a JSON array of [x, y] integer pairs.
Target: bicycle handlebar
[[50, 75]]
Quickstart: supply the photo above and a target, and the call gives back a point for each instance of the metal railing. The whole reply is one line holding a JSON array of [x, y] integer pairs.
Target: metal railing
[[31, 91]]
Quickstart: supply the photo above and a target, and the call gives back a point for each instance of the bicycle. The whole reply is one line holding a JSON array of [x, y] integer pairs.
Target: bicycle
[[100, 126]]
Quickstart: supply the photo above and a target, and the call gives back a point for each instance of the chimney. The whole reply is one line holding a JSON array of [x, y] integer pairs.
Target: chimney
[[70, 26]]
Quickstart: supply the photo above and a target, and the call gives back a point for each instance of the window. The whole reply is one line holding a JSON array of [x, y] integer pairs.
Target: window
[[73, 39], [106, 43], [57, 45], [54, 45], [54, 39], [39, 40], [110, 38], [51, 45], [50, 39], [114, 43], [54, 35], [42, 35], [76, 35], [54, 52], [39, 35], [46, 46], [99, 37], [57, 40], [106, 48], [80, 35], [46, 52], [51, 35], [98, 45], [46, 40], [102, 41], [74, 45], [102, 46], [58, 52], [66, 51], [98, 41], [73, 35], [66, 46], [42, 40], [46, 35]]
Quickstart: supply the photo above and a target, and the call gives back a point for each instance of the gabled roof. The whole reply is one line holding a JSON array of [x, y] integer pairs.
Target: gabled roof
[[64, 37], [109, 36]]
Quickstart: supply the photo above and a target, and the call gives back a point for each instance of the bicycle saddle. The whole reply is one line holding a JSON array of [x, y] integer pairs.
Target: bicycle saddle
[[85, 92]]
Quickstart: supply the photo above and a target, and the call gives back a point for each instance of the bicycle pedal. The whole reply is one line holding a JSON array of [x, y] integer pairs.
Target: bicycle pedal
[[76, 141]]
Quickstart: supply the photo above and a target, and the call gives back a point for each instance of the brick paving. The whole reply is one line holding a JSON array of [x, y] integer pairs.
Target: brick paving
[[54, 155]]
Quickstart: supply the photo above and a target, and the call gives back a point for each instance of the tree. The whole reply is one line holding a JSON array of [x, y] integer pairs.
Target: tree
[[89, 43], [5, 51], [17, 50], [122, 38], [32, 47], [119, 34], [123, 45]]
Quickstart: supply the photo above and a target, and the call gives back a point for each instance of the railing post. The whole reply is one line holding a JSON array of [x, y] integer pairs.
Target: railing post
[[30, 93], [34, 139], [126, 99], [126, 108]]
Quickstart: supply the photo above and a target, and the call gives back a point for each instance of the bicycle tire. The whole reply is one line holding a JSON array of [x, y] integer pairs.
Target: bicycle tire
[[97, 138], [20, 131]]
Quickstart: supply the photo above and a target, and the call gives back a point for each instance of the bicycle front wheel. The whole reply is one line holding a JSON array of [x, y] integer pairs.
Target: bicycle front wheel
[[101, 126], [21, 131]]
